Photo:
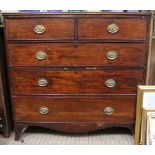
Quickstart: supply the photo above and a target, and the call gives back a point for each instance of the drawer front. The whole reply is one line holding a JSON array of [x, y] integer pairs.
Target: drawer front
[[46, 81], [40, 28], [117, 28], [55, 54], [73, 109]]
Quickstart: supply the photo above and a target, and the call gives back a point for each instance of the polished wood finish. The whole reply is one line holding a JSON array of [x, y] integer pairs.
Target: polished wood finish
[[54, 28], [75, 82], [76, 68], [73, 54], [74, 109], [97, 28]]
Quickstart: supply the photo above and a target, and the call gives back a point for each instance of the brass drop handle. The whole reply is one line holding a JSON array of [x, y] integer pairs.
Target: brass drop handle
[[112, 28], [43, 110], [39, 29], [111, 55], [42, 82], [110, 83], [108, 110], [41, 55]]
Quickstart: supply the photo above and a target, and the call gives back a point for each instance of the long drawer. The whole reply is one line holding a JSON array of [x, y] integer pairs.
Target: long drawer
[[40, 28], [72, 54], [47, 81], [74, 109], [112, 28]]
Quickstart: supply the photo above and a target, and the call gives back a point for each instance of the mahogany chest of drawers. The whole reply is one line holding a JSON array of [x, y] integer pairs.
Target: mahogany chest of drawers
[[75, 72]]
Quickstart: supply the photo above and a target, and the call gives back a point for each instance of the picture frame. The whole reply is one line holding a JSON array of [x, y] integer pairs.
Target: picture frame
[[145, 127], [145, 98], [150, 129]]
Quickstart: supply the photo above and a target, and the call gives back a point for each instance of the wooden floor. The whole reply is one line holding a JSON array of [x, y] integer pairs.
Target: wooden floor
[[38, 136]]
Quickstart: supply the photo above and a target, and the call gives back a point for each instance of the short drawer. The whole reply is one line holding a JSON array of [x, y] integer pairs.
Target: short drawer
[[40, 28], [74, 109], [46, 81], [82, 54], [113, 28]]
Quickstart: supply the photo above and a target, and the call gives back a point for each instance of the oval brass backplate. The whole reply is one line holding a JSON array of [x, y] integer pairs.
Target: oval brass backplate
[[111, 55], [110, 83], [42, 82], [41, 55], [108, 110], [39, 29], [112, 28], [43, 110]]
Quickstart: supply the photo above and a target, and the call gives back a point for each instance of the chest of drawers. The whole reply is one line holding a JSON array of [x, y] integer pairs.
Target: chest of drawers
[[75, 72]]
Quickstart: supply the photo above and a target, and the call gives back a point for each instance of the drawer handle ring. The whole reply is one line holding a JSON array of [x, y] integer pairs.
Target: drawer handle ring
[[41, 55], [108, 110], [111, 55], [42, 82], [110, 83], [43, 110], [39, 29], [112, 28]]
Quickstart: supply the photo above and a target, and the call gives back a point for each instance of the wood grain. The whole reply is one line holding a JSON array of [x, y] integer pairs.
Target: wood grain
[[75, 82], [73, 54], [56, 28], [74, 109], [97, 28]]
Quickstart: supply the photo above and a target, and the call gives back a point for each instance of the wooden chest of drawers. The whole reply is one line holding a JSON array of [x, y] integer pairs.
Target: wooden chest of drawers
[[76, 72]]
